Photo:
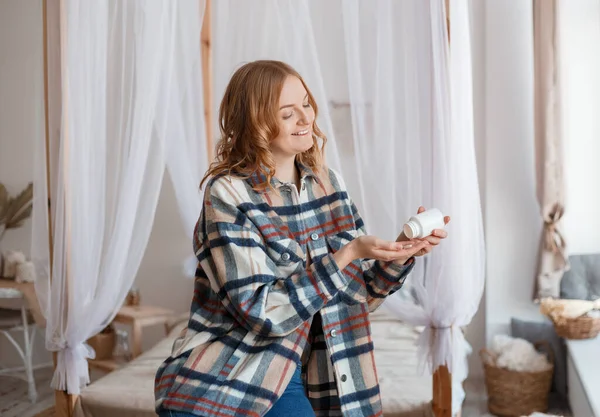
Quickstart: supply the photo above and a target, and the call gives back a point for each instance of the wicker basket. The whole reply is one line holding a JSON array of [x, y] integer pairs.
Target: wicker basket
[[578, 328], [512, 393]]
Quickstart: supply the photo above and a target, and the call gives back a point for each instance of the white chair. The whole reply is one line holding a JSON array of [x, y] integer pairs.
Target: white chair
[[14, 321]]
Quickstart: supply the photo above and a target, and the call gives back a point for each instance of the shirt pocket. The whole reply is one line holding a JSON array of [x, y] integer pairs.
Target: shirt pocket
[[287, 255]]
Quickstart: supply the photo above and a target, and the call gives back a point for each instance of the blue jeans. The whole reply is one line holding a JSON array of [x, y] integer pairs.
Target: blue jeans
[[293, 402], [169, 413]]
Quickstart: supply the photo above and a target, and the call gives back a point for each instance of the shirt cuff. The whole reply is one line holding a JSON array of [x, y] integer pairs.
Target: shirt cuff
[[395, 272]]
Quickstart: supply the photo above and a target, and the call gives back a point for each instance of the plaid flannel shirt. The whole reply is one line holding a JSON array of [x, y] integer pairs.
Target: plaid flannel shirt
[[258, 310]]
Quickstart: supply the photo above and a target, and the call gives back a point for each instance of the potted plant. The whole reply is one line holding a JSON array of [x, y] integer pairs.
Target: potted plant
[[14, 210]]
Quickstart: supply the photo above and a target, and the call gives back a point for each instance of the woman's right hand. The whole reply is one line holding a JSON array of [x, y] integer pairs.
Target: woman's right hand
[[372, 247]]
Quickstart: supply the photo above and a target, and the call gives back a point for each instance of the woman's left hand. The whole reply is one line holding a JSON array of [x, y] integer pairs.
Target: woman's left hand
[[434, 239]]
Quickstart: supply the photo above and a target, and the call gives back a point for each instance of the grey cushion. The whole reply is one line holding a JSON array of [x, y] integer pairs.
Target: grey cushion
[[582, 281], [544, 330]]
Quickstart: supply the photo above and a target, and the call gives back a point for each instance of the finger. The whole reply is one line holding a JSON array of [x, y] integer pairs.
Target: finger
[[394, 256], [447, 219], [439, 233], [433, 240], [388, 246], [399, 246], [399, 249], [385, 245], [424, 251], [421, 209], [408, 244], [416, 248]]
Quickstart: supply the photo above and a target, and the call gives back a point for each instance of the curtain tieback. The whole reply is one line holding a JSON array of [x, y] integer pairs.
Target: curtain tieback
[[72, 366], [435, 329], [553, 239]]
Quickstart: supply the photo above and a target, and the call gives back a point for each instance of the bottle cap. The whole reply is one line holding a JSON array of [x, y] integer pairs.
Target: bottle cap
[[411, 229]]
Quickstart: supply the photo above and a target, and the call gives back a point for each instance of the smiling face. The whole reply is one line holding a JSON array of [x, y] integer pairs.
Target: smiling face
[[267, 118], [295, 121]]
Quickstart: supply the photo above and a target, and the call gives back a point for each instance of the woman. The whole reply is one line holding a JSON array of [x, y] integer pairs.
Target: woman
[[279, 321]]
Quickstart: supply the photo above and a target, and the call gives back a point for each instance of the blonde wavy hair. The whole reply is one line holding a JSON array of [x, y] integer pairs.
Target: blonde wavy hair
[[248, 121]]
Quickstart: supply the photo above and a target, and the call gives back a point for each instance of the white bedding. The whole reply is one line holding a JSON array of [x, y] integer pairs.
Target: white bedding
[[128, 392], [404, 391]]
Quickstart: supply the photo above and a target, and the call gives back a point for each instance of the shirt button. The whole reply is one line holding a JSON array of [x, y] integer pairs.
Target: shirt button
[[333, 333], [314, 236], [344, 378], [304, 186], [285, 256]]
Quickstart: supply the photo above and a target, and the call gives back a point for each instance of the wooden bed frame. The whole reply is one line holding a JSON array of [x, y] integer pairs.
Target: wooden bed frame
[[64, 402]]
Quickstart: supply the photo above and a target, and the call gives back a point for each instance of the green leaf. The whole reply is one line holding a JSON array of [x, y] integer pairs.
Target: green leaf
[[19, 208]]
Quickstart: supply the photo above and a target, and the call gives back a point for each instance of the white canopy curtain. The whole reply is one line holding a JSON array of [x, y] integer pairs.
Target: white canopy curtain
[[396, 105], [185, 125], [411, 105], [449, 296], [129, 102], [271, 29]]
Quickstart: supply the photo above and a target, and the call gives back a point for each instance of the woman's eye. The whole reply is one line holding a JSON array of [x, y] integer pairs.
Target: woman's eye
[[287, 116], [307, 105]]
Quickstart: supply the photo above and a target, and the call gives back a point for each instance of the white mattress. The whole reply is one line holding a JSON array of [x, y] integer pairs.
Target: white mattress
[[404, 391], [129, 392]]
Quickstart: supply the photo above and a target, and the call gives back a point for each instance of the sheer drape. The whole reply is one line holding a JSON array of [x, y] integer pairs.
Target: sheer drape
[[185, 125], [121, 64], [411, 109], [271, 29], [553, 258]]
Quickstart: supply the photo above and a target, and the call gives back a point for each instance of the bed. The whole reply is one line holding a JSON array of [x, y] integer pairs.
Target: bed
[[405, 393]]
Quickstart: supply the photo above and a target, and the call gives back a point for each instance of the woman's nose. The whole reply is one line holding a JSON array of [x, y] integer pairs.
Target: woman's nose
[[304, 118]]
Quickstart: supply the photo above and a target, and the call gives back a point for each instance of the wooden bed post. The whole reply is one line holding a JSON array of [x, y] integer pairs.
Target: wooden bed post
[[442, 392], [442, 378], [63, 401], [207, 78]]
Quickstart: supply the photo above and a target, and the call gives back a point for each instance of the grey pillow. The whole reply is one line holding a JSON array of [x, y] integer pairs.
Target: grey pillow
[[544, 330], [582, 280]]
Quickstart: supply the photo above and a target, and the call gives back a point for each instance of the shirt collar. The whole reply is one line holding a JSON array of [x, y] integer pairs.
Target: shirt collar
[[306, 171], [258, 177]]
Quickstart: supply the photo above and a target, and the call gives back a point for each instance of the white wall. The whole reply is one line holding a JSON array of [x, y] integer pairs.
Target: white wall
[[580, 29], [476, 330], [21, 88], [21, 119], [512, 220]]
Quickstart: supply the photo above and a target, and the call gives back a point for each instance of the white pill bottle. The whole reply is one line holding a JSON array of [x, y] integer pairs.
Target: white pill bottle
[[423, 224]]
